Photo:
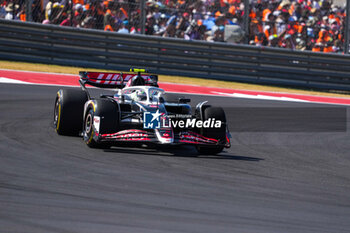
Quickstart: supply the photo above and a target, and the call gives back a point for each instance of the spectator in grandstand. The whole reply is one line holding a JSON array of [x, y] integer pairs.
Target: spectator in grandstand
[[124, 27], [69, 21], [150, 25], [37, 15], [316, 25], [183, 24], [160, 27], [109, 21], [2, 9], [299, 25], [48, 9], [170, 31], [88, 22], [11, 11]]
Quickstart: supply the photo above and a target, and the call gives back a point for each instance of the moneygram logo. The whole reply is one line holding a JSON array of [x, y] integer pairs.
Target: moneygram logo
[[158, 120]]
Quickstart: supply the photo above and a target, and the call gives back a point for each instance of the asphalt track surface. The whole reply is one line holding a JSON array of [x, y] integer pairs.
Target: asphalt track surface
[[266, 182]]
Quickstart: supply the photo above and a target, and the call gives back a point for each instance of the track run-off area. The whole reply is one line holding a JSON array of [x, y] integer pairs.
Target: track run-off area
[[42, 78], [293, 177]]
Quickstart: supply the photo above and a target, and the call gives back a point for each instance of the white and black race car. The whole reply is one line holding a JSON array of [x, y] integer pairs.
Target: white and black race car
[[138, 111]]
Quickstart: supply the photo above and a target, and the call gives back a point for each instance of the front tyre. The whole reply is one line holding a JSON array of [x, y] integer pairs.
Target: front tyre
[[216, 133], [89, 131], [102, 117]]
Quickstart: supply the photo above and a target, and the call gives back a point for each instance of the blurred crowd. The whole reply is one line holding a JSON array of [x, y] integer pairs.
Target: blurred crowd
[[293, 24]]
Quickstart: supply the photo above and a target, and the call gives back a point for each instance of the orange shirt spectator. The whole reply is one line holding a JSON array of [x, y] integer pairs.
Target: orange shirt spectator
[[109, 28], [266, 12], [78, 2]]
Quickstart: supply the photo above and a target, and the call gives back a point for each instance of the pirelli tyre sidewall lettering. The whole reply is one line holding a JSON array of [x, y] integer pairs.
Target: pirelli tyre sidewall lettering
[[88, 127], [89, 130], [101, 116], [68, 111], [89, 104], [57, 112]]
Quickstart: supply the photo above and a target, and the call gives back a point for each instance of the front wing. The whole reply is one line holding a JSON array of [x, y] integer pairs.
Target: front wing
[[162, 137]]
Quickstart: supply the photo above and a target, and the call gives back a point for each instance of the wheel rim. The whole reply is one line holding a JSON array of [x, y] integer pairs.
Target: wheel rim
[[88, 123]]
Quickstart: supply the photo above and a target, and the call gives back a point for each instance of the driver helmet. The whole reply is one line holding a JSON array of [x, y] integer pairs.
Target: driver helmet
[[139, 95]]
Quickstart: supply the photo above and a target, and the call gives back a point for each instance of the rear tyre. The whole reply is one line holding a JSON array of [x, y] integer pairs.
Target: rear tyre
[[109, 119], [216, 133], [69, 111]]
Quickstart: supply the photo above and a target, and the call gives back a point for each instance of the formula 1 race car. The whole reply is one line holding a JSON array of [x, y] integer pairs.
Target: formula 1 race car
[[138, 111]]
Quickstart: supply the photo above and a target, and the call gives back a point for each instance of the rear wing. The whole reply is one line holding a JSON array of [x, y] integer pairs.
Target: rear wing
[[114, 80]]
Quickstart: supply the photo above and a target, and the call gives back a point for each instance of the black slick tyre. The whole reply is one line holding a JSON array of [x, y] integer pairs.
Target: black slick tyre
[[69, 111], [216, 133], [108, 113]]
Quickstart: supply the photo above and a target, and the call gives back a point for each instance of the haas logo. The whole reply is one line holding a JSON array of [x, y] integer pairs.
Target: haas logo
[[113, 79]]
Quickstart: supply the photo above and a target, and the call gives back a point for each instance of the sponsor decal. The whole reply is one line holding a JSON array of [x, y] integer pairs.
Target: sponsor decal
[[112, 78], [133, 135], [156, 120], [151, 120], [97, 123], [195, 123]]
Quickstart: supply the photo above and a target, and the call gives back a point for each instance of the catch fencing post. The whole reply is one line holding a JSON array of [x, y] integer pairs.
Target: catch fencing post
[[246, 21], [346, 29], [143, 16], [28, 8]]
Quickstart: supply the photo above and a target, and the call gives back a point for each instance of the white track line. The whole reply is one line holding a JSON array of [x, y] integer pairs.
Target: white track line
[[14, 81]]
